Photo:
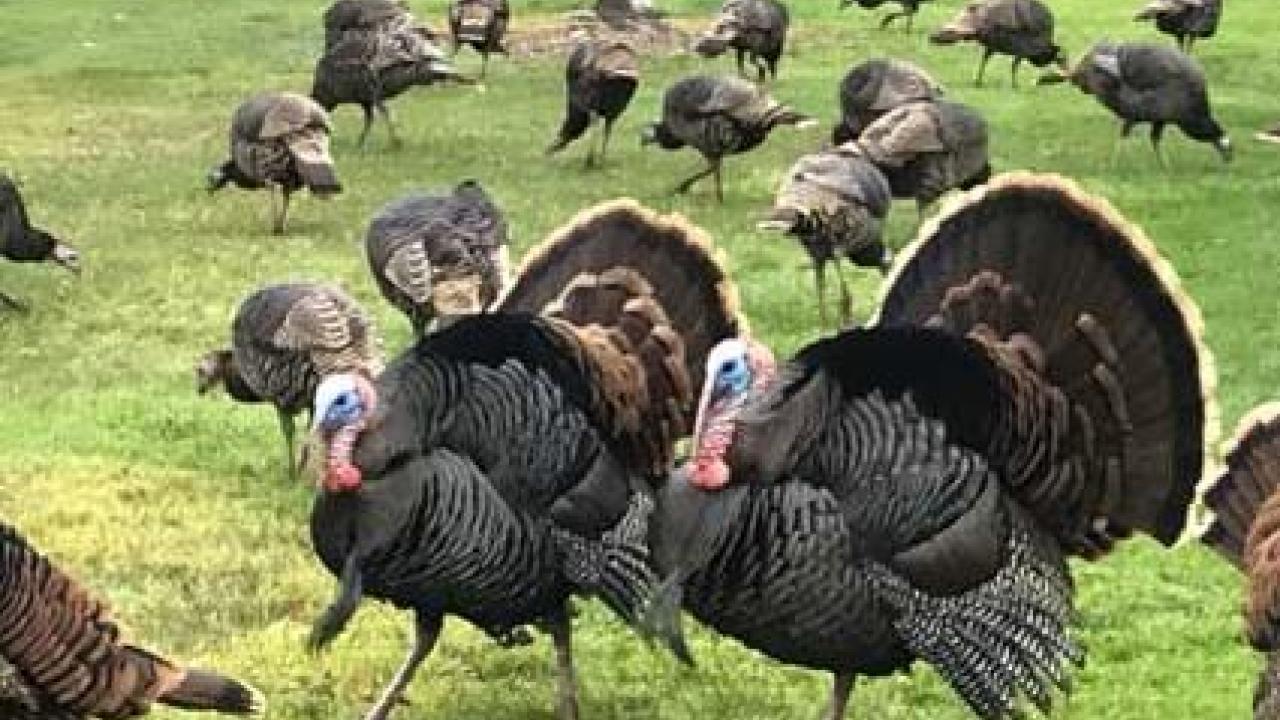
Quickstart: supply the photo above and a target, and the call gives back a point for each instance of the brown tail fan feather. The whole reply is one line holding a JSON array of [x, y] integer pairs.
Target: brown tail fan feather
[[1097, 343], [674, 258], [67, 648], [1245, 527]]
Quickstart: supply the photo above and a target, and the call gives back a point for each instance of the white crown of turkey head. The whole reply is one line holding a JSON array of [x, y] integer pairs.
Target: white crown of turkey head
[[338, 395]]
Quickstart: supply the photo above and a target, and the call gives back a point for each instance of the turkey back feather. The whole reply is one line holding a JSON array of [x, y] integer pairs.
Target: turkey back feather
[[1245, 527], [1106, 407], [648, 301], [66, 648]]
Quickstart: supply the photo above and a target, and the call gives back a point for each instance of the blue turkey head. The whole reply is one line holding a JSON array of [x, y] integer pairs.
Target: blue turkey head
[[339, 402]]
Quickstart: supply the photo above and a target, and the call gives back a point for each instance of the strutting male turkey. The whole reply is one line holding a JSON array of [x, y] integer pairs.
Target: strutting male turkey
[[908, 9], [368, 68], [717, 116], [22, 242], [874, 87], [1245, 529], [285, 339], [1034, 388], [835, 202], [279, 140], [753, 29], [441, 255], [1022, 29], [481, 25], [62, 657], [505, 463], [1185, 20], [1154, 84], [926, 148], [600, 78]]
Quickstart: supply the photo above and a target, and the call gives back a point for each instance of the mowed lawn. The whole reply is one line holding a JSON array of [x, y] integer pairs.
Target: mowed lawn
[[176, 507]]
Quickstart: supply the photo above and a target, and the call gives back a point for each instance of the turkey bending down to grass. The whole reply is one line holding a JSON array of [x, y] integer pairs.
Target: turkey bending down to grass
[[755, 30], [285, 340], [62, 656], [22, 242], [1033, 388], [507, 462], [1185, 20], [439, 256], [718, 117], [279, 141], [601, 77], [907, 9], [1022, 29], [874, 87], [835, 202]]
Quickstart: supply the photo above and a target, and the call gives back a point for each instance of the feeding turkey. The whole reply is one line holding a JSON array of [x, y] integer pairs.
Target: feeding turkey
[[601, 77], [22, 242], [1033, 388], [754, 30], [873, 88], [506, 462]]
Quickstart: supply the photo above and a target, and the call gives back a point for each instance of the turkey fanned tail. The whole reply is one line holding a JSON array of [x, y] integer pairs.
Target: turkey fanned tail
[[1106, 408], [1004, 640]]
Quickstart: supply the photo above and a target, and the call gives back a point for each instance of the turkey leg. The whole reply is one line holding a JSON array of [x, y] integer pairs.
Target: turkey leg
[[1157, 132], [566, 679], [426, 631], [287, 430], [982, 65], [841, 688], [368, 123], [684, 186], [12, 303], [820, 282], [391, 125], [884, 24]]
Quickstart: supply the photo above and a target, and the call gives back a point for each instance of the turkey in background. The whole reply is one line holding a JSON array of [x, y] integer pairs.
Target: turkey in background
[[908, 10], [506, 463], [873, 88], [61, 655], [1185, 20], [279, 140], [285, 340], [441, 255], [1033, 388], [601, 76], [22, 242], [754, 30], [1022, 29], [480, 25]]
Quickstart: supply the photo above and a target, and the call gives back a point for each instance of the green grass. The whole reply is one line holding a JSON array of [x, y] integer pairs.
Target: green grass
[[175, 506]]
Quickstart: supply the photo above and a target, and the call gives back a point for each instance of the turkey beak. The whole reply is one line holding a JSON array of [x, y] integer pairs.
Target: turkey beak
[[782, 219], [1224, 148], [1053, 77], [67, 257]]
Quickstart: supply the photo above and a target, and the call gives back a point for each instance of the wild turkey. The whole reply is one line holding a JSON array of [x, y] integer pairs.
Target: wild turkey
[[927, 148], [504, 463], [873, 88], [601, 77], [1185, 20], [364, 16], [835, 202], [755, 29], [1033, 388], [370, 68], [480, 24], [285, 339], [279, 140], [1246, 516], [1148, 84], [22, 242], [62, 658], [717, 116], [1020, 28], [908, 11], [439, 256]]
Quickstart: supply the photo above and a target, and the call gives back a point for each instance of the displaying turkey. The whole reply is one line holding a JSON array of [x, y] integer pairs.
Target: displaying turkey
[[1245, 502], [927, 148], [873, 88], [368, 16], [480, 24], [834, 202], [908, 10], [1034, 388], [370, 68], [285, 340], [1185, 20], [22, 242], [1143, 83], [601, 77], [754, 29], [503, 464], [717, 116], [1022, 29], [439, 256], [279, 140], [62, 657]]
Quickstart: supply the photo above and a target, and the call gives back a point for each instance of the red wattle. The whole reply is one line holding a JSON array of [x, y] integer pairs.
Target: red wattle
[[342, 478], [709, 475]]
